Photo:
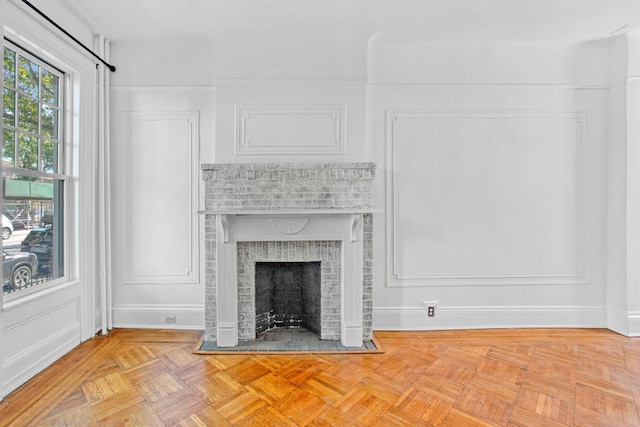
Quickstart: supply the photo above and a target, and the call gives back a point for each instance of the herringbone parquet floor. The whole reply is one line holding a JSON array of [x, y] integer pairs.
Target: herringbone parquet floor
[[538, 377]]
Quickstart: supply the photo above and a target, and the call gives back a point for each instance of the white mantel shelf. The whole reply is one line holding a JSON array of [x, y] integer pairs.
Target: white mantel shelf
[[356, 217]]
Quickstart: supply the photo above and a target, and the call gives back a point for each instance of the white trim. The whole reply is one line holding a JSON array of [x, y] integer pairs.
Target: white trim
[[565, 86], [192, 274], [488, 317], [46, 293], [257, 228], [261, 81], [188, 316], [334, 116], [154, 88], [624, 322], [634, 324], [38, 357], [579, 277], [107, 200], [35, 37]]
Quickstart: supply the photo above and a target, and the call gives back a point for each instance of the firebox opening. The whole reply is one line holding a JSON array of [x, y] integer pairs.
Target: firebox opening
[[288, 295]]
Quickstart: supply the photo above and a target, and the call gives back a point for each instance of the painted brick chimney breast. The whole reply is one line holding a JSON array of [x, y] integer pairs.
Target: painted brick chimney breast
[[275, 212]]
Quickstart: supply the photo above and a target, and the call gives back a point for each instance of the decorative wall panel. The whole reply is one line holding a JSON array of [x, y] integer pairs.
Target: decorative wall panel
[[161, 222], [486, 197], [290, 130]]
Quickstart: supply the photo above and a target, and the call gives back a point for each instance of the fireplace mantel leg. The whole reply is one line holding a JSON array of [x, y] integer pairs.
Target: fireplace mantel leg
[[351, 330], [227, 325]]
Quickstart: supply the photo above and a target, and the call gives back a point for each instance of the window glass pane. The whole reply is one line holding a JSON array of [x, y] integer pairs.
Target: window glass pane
[[28, 111], [32, 221], [9, 105], [8, 147], [33, 248], [50, 83], [28, 151], [9, 69], [29, 77], [49, 156], [49, 122]]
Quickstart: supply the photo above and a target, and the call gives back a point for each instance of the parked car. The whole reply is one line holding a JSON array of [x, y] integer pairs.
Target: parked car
[[19, 217], [17, 270], [40, 242], [7, 228]]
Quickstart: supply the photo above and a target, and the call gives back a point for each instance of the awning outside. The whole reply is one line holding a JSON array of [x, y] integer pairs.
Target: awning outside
[[22, 190]]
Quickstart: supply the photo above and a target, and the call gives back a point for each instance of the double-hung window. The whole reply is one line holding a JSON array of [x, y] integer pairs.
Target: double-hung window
[[33, 171]]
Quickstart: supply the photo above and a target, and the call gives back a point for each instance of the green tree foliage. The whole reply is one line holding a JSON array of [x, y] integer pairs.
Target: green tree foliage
[[31, 114]]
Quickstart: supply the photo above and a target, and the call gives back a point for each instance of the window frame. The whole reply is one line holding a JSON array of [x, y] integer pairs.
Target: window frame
[[61, 107], [64, 166]]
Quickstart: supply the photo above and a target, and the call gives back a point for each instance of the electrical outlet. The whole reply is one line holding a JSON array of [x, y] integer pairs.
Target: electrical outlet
[[170, 318], [431, 307]]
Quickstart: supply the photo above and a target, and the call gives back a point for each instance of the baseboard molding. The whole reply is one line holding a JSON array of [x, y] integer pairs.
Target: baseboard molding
[[634, 324], [27, 364], [618, 321], [488, 317], [191, 317], [624, 322], [159, 316]]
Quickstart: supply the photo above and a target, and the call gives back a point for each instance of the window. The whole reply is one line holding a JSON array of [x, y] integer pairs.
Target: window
[[33, 172]]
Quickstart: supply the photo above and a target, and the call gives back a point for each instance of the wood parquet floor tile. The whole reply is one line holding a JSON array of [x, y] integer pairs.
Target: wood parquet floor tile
[[513, 378]]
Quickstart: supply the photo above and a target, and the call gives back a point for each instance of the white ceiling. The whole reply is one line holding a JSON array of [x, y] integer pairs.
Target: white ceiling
[[121, 20]]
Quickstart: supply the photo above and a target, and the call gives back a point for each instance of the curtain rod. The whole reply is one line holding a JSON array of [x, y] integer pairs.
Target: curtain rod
[[52, 22]]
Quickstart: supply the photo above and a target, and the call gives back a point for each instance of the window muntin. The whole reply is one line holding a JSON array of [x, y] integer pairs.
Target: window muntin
[[32, 110], [33, 179]]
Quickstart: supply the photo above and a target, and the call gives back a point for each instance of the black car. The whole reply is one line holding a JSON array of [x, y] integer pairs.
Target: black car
[[17, 270], [40, 242]]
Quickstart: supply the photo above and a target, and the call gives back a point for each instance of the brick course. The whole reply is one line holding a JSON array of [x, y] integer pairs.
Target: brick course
[[285, 186]]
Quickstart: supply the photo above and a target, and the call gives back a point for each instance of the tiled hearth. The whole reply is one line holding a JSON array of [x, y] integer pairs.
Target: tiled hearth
[[288, 213]]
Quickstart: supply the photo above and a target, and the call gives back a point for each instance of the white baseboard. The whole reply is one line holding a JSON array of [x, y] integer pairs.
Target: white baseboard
[[191, 317], [634, 324], [155, 316], [618, 321], [488, 317], [625, 322]]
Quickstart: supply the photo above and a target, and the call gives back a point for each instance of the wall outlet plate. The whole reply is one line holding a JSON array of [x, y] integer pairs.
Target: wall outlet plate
[[431, 307]]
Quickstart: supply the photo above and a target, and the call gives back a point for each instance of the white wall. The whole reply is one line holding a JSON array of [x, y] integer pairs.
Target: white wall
[[494, 160], [162, 129], [290, 97], [290, 121], [159, 63], [633, 168], [623, 204]]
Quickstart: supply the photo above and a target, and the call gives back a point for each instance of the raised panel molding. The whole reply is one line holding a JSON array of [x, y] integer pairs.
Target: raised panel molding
[[290, 129], [39, 356], [161, 198], [577, 120], [38, 338]]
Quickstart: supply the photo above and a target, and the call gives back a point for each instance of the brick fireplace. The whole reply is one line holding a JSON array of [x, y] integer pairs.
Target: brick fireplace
[[288, 213]]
